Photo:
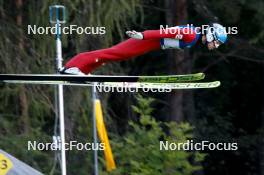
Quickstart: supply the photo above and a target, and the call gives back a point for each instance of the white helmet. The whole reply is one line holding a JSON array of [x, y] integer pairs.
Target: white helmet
[[216, 32]]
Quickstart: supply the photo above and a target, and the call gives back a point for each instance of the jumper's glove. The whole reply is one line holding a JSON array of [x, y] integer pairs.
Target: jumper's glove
[[134, 34]]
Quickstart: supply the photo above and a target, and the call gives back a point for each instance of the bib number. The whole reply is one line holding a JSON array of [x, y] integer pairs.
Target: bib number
[[5, 164]]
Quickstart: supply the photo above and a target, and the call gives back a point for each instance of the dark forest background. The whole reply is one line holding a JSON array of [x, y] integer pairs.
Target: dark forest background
[[137, 121]]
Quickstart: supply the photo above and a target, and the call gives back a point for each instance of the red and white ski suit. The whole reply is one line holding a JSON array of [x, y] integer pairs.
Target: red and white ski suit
[[88, 61]]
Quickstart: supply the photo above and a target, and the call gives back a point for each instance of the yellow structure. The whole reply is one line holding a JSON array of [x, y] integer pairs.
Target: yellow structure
[[109, 158]]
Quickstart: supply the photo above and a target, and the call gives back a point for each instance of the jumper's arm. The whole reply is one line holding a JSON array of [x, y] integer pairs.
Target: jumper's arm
[[185, 34]]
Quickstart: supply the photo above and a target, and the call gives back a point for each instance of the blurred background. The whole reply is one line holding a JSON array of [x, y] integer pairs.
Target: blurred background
[[136, 122]]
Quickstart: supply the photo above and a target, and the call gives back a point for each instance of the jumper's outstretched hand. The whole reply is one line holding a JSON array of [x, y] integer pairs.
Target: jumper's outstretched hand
[[134, 34]]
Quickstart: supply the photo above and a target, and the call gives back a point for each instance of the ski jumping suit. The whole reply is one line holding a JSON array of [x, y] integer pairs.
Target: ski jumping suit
[[175, 37]]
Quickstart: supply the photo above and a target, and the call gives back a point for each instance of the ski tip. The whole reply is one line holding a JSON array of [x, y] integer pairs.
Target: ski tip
[[215, 84], [201, 75]]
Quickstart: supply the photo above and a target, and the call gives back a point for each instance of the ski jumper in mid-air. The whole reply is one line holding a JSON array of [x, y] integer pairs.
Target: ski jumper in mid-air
[[178, 37]]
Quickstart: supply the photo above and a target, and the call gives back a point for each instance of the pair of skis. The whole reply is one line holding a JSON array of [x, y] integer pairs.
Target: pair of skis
[[187, 81]]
